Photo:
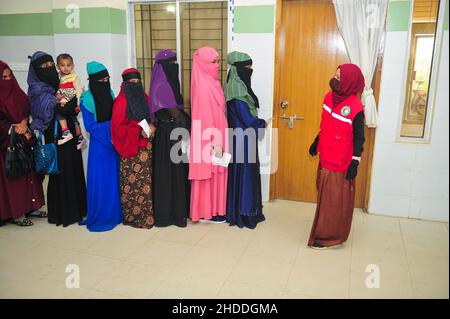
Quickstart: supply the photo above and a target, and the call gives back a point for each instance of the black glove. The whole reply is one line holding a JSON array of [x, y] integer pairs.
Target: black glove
[[313, 147], [352, 170]]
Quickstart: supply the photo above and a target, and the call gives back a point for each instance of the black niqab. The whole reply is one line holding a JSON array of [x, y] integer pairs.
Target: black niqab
[[101, 92], [171, 70], [137, 107], [48, 75], [245, 74]]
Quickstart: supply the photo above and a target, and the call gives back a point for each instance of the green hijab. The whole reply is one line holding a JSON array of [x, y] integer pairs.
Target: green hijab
[[234, 87]]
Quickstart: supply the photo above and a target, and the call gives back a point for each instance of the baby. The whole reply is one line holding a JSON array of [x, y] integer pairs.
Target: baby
[[69, 88]]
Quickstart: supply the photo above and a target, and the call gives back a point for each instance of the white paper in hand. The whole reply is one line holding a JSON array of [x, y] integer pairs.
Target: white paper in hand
[[145, 127], [224, 161]]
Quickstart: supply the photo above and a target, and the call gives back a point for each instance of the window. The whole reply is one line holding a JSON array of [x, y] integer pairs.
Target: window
[[155, 29], [199, 23], [420, 74]]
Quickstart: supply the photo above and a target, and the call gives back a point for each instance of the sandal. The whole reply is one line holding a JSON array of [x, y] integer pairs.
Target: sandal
[[23, 222], [38, 214]]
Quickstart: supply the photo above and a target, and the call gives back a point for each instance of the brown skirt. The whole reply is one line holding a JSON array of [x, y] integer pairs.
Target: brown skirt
[[136, 187], [335, 204]]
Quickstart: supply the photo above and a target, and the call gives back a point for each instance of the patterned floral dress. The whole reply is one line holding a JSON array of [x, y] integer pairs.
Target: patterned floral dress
[[136, 186]]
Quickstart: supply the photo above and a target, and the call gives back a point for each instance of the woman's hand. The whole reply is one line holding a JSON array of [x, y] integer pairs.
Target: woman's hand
[[28, 135], [352, 170], [218, 150], [152, 129], [68, 108], [21, 127], [63, 101], [313, 147]]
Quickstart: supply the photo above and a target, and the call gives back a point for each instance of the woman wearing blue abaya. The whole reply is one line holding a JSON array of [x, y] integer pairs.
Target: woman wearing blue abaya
[[103, 182], [244, 203]]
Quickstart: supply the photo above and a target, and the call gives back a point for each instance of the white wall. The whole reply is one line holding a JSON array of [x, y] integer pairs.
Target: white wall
[[15, 50], [410, 180], [261, 48]]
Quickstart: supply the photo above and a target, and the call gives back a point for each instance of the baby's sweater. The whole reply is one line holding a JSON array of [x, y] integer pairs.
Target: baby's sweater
[[66, 81]]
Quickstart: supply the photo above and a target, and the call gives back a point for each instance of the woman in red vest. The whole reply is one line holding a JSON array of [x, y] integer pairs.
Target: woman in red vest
[[340, 145]]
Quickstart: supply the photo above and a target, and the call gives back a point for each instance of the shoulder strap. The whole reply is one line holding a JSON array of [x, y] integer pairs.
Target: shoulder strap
[[12, 136], [55, 133], [40, 138]]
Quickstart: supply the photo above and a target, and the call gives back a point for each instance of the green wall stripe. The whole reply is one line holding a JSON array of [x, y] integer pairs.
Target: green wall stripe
[[118, 21], [254, 19], [26, 24], [92, 20], [398, 15]]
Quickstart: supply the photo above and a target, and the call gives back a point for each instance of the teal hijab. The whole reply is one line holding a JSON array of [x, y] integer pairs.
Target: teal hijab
[[95, 71]]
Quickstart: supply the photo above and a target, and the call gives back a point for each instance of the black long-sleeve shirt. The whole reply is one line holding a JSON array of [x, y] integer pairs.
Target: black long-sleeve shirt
[[358, 134]]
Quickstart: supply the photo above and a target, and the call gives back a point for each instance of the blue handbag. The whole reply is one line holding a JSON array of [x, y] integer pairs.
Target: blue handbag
[[46, 155]]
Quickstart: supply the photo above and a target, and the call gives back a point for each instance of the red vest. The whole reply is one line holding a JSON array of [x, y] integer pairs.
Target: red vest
[[336, 133]]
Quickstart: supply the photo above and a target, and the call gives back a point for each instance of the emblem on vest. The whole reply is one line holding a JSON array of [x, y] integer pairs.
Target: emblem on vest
[[345, 111]]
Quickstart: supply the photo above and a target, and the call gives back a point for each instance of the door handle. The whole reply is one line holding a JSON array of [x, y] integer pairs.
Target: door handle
[[295, 117], [291, 119]]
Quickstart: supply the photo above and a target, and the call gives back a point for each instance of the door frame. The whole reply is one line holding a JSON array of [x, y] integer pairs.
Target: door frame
[[370, 138]]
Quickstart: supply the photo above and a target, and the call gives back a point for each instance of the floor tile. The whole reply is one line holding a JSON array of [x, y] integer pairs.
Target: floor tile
[[261, 271], [162, 254], [217, 261], [320, 282], [234, 290], [133, 281]]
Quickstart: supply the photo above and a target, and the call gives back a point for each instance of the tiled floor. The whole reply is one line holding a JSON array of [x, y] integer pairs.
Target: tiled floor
[[218, 261]]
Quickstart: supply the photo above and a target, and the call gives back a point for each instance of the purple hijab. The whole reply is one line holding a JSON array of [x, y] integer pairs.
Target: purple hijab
[[42, 98], [162, 95]]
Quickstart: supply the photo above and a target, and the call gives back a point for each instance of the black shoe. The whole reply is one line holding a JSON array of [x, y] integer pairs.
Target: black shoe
[[215, 220]]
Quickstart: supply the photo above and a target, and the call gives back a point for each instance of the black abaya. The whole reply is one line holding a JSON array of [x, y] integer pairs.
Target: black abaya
[[171, 186], [66, 192]]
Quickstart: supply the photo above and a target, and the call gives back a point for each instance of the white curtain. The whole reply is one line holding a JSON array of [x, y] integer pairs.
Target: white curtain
[[361, 24]]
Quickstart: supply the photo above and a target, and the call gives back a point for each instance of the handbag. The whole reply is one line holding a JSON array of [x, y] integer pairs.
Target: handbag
[[19, 159], [46, 155]]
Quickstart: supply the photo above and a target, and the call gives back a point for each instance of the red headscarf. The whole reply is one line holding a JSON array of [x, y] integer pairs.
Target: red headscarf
[[126, 133], [351, 83], [13, 101]]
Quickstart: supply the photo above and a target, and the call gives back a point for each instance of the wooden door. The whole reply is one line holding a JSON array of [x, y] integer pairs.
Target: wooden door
[[310, 48]]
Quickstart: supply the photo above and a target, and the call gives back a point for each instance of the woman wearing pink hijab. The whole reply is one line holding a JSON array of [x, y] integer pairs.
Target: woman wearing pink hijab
[[208, 136]]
